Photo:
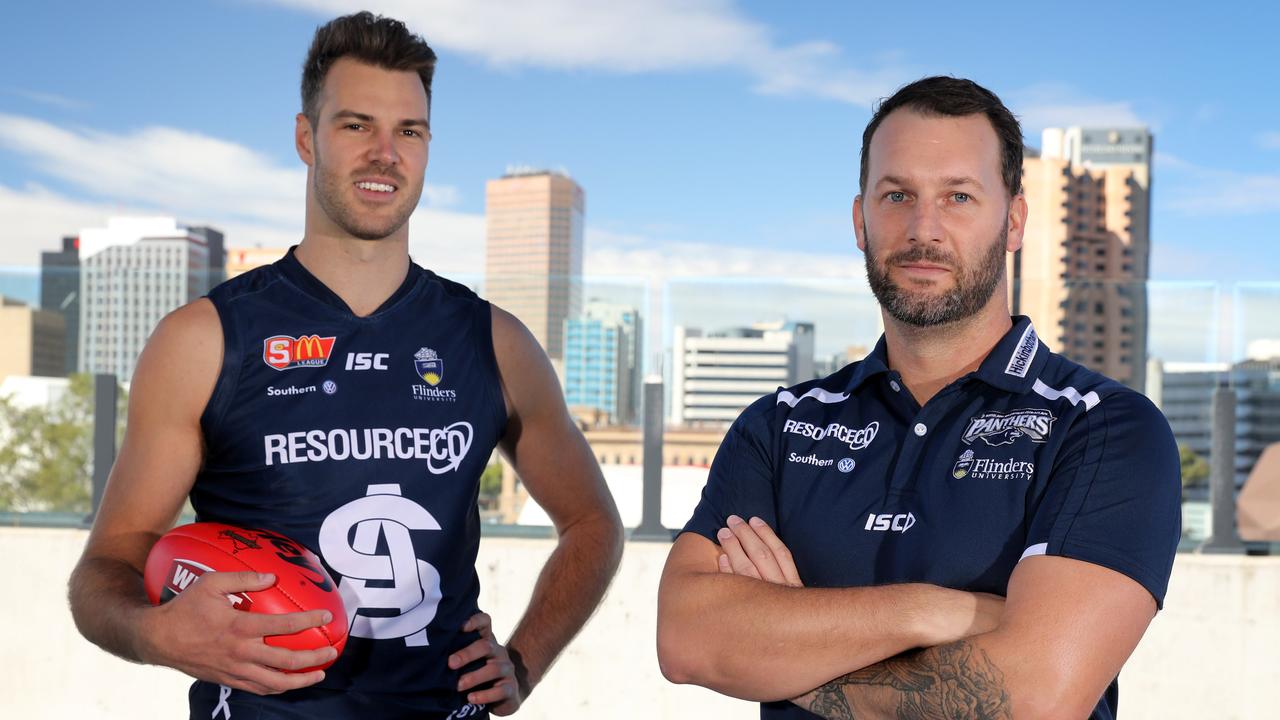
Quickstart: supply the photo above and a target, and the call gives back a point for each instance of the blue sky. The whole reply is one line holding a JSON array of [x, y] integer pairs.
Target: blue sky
[[711, 137]]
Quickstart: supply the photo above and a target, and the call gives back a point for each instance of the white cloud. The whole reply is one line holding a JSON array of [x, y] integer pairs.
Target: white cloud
[[36, 219], [621, 255], [1197, 190], [1269, 140], [1055, 105], [631, 36], [48, 98]]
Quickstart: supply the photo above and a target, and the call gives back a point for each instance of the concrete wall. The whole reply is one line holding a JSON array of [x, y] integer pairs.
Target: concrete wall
[[1214, 652]]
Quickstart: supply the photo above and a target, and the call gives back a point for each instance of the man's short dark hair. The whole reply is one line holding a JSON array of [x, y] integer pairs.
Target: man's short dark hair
[[954, 97], [369, 38]]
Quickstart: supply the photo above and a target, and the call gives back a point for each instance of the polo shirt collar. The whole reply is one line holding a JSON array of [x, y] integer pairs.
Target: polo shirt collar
[[875, 363], [1015, 362], [1012, 365]]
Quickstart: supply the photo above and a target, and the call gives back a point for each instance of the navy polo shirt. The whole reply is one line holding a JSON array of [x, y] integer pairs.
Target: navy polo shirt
[[1031, 454]]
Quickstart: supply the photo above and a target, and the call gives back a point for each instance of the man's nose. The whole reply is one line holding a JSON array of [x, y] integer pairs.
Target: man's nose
[[382, 149], [925, 224]]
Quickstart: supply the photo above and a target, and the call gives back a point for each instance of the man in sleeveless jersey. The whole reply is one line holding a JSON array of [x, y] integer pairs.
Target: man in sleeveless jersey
[[962, 524], [349, 399]]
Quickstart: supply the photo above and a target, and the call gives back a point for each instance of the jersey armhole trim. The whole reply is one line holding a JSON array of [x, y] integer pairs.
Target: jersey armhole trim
[[228, 375], [483, 322]]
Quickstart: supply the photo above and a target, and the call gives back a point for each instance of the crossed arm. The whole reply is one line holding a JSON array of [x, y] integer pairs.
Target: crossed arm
[[1065, 630]]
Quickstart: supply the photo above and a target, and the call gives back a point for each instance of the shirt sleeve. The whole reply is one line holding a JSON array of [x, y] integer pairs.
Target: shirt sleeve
[[1114, 498], [741, 478]]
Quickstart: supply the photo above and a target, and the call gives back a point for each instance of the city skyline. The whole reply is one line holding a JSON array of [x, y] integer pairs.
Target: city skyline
[[718, 140]]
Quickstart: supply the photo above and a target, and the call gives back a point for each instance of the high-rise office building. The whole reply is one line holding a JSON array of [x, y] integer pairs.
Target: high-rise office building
[[133, 272], [1184, 392], [602, 361], [60, 293], [533, 251], [33, 340], [1081, 273], [714, 378]]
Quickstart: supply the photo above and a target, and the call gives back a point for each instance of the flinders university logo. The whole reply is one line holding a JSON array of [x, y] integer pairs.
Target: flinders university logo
[[429, 365], [961, 468]]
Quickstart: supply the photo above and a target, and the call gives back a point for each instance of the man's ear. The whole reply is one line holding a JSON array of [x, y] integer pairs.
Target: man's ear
[[858, 223], [304, 139], [1017, 222]]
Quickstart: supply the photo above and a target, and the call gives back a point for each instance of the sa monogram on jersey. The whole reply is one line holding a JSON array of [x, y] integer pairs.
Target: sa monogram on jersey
[[387, 596], [996, 428], [283, 352]]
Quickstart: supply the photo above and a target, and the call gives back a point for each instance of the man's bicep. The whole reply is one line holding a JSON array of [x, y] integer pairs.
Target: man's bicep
[[161, 452], [549, 453], [1067, 629]]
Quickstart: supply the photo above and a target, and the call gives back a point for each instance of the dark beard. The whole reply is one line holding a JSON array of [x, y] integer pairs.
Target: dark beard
[[329, 189], [973, 289]]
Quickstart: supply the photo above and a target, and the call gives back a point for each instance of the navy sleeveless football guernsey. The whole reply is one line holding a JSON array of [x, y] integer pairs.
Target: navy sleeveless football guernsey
[[364, 439]]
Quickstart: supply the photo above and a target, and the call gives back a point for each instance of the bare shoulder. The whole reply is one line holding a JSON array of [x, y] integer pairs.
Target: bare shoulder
[[195, 323], [512, 340], [184, 353], [528, 380]]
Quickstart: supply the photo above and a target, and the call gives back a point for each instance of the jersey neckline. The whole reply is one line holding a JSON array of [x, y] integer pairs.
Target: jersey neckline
[[296, 273]]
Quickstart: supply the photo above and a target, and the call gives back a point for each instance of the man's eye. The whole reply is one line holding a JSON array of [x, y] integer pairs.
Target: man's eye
[[962, 197], [353, 126], [896, 196]]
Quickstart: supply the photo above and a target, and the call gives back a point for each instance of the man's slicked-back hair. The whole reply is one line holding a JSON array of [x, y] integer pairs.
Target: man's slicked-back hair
[[954, 97], [373, 39]]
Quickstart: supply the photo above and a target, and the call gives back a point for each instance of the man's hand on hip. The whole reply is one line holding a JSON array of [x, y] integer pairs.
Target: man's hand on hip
[[503, 696]]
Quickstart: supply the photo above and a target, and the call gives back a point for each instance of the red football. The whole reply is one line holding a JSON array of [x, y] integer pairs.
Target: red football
[[188, 551]]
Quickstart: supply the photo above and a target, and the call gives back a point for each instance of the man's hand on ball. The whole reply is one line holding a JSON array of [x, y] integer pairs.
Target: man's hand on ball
[[201, 634]]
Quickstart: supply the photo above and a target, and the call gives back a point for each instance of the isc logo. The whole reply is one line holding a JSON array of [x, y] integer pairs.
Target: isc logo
[[367, 361], [283, 352], [890, 522]]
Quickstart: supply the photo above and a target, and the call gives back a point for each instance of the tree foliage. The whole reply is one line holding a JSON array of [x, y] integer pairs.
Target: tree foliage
[[1195, 470], [491, 485], [46, 452]]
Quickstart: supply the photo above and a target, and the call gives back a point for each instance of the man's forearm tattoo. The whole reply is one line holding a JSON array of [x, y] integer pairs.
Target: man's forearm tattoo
[[943, 683]]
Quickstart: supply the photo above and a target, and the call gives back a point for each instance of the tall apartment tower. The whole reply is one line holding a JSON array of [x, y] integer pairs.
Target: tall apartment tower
[[602, 361], [714, 378], [533, 251], [1081, 273], [60, 293], [133, 272]]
